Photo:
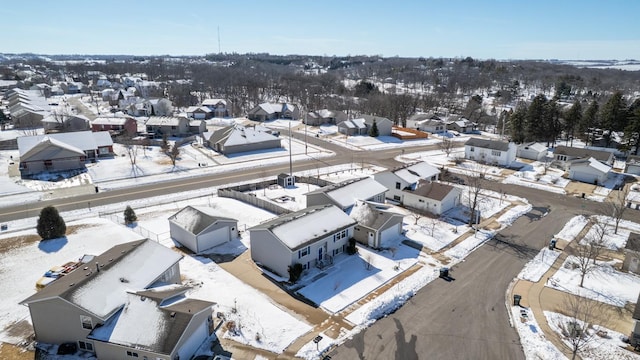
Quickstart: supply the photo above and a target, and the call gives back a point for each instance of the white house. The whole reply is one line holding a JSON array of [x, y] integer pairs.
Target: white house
[[310, 237], [405, 177], [564, 155], [434, 197], [377, 226], [199, 228], [346, 193], [589, 171], [491, 152], [532, 151]]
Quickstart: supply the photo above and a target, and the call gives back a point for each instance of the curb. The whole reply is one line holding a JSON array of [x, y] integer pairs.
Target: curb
[[508, 299]]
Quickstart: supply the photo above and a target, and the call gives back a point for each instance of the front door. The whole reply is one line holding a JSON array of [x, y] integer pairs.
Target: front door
[[320, 253]]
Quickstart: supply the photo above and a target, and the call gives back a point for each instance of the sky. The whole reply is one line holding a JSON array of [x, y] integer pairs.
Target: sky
[[496, 29]]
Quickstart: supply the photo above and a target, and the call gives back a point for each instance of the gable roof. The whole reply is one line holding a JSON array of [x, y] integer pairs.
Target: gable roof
[[48, 149], [599, 155], [213, 102], [110, 120], [368, 119], [433, 190], [488, 144], [346, 193], [240, 135], [83, 140], [536, 146], [301, 228], [415, 172], [591, 162], [196, 219], [146, 323], [132, 265], [165, 120], [371, 215]]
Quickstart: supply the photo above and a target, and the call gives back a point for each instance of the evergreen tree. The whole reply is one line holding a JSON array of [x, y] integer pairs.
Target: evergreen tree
[[129, 215], [50, 224], [632, 131], [537, 125], [614, 115], [589, 121], [572, 119], [374, 132], [516, 123]]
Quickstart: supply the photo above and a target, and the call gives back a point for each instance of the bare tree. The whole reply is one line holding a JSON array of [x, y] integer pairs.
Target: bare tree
[[446, 145], [174, 153], [432, 224], [583, 314], [474, 185], [617, 205], [415, 217], [583, 254], [597, 238]]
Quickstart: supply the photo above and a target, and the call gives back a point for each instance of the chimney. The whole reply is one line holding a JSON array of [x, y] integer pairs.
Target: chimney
[[97, 267]]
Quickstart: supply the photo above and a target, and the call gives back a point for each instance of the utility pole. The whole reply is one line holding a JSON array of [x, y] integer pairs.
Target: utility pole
[[290, 159]]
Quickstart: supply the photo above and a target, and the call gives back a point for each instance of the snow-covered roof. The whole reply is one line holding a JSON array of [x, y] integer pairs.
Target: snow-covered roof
[[372, 215], [422, 170], [271, 108], [131, 266], [195, 219], [240, 135], [45, 143], [300, 228], [346, 193], [204, 109], [488, 144], [213, 102], [146, 323], [354, 124], [109, 120], [164, 121], [83, 140], [592, 162], [582, 152], [536, 146]]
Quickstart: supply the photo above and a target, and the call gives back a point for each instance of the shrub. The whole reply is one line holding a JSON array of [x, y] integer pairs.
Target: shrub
[[295, 271], [351, 247], [50, 224], [129, 215]]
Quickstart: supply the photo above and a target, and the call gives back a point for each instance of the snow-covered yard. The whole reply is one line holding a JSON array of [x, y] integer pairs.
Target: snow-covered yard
[[533, 340]]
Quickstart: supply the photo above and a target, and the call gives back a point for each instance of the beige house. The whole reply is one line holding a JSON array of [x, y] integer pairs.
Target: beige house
[[434, 197], [377, 226], [271, 111], [310, 237], [346, 193], [237, 139], [199, 228], [114, 308]]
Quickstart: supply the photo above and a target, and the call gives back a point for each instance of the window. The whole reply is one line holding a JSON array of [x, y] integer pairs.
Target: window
[[173, 128], [496, 153], [562, 157], [396, 197], [85, 345], [86, 321], [471, 149], [340, 235], [420, 200], [304, 252], [132, 354], [48, 163], [337, 251], [397, 185]]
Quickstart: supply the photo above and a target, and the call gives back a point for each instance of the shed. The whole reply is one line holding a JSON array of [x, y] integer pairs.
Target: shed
[[200, 228]]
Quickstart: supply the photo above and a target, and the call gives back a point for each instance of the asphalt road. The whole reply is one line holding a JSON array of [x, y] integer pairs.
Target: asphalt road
[[466, 318]]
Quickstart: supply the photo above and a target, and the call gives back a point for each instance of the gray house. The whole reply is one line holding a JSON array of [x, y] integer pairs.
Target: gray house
[[198, 228], [236, 139], [324, 116], [406, 177], [362, 125], [346, 193], [564, 155], [271, 111], [100, 308], [377, 226], [169, 125], [310, 237], [532, 151]]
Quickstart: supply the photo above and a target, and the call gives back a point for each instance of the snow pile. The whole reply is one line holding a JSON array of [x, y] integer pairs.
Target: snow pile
[[539, 265], [513, 214], [533, 340], [313, 351]]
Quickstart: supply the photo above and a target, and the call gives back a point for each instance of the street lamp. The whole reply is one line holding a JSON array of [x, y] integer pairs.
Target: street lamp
[[317, 340]]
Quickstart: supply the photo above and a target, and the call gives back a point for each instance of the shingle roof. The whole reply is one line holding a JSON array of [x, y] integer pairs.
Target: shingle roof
[[599, 155], [195, 219], [591, 162], [488, 144], [346, 193], [433, 190], [83, 140]]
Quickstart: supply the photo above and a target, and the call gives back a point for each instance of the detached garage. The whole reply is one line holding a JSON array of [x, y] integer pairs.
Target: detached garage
[[199, 228], [589, 171]]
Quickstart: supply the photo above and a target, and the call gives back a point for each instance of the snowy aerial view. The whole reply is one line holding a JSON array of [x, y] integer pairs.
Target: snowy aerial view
[[256, 181]]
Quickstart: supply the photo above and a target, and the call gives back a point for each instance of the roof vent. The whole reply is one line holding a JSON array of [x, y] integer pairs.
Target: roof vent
[[173, 314], [123, 280]]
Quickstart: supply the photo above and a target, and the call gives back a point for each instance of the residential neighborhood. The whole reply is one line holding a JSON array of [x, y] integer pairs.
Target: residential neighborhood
[[253, 202]]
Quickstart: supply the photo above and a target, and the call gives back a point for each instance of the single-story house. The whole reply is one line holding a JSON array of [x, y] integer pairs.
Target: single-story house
[[132, 289], [414, 121], [632, 165], [324, 116], [237, 138], [218, 107], [589, 171], [345, 194], [434, 197], [433, 126], [532, 151], [362, 125], [492, 152], [170, 125], [310, 237], [631, 261], [199, 228], [116, 125], [271, 111], [564, 155], [377, 226], [199, 112], [405, 177], [462, 125], [64, 123], [62, 151]]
